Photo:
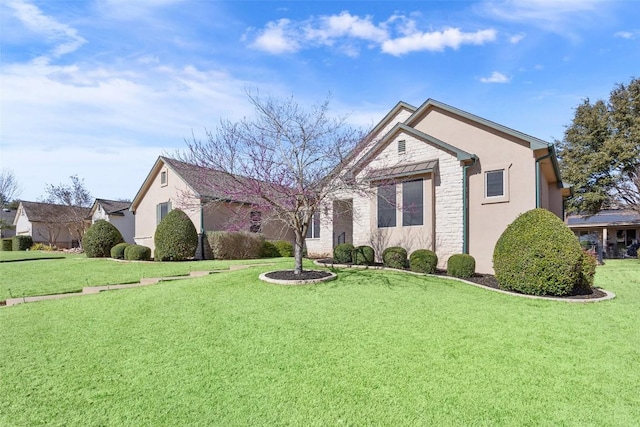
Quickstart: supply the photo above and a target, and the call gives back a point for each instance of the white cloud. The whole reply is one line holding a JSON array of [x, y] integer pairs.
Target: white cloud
[[517, 38], [277, 38], [629, 35], [495, 77], [65, 37], [436, 41], [397, 35]]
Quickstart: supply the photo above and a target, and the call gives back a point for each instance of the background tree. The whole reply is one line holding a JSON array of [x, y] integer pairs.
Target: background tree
[[285, 162], [75, 195], [600, 153], [10, 189]]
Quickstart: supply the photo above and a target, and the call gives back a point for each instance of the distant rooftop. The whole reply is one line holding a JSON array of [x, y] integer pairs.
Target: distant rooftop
[[605, 218]]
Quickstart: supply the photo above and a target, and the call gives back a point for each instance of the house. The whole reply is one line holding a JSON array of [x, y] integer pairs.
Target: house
[[6, 223], [614, 230], [117, 213], [175, 184], [59, 225], [442, 179]]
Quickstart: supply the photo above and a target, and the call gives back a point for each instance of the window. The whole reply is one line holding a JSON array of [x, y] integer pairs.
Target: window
[[163, 178], [402, 146], [412, 203], [256, 221], [162, 209], [313, 232], [494, 183], [387, 206]]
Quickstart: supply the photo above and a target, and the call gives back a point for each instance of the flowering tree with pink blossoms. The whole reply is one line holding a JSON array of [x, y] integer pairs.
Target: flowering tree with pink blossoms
[[285, 162]]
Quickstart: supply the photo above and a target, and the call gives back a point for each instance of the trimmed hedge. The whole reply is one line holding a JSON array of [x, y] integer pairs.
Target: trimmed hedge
[[423, 261], [538, 255], [588, 272], [364, 255], [269, 250], [21, 243], [7, 244], [176, 238], [100, 238], [461, 265], [284, 247], [395, 257], [235, 245], [137, 253], [117, 252], [343, 253]]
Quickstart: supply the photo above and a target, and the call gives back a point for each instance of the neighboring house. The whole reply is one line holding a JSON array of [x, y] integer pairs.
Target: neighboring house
[[6, 223], [59, 225], [440, 179], [613, 230], [173, 184], [117, 213]]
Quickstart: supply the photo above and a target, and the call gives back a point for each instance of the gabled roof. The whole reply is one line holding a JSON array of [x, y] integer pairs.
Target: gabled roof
[[534, 143], [461, 155], [52, 213], [205, 183], [610, 217], [7, 216], [111, 207], [391, 114]]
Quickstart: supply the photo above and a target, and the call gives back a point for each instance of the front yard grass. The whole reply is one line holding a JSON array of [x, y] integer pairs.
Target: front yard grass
[[372, 348], [70, 273]]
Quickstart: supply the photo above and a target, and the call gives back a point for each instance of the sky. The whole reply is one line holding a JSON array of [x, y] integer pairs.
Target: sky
[[101, 88]]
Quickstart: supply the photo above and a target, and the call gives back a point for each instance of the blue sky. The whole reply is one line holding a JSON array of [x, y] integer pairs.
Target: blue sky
[[100, 88]]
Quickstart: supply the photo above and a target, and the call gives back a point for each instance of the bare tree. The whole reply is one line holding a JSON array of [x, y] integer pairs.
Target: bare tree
[[10, 189], [75, 195], [285, 162]]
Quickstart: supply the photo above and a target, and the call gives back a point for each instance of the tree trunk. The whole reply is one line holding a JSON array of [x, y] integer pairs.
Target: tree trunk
[[297, 253]]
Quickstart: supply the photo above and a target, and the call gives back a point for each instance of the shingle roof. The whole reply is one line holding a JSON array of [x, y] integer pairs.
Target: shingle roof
[[48, 212], [113, 207], [605, 218], [7, 216]]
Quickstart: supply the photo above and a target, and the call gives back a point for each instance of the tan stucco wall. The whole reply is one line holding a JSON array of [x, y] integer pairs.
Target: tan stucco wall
[[125, 223]]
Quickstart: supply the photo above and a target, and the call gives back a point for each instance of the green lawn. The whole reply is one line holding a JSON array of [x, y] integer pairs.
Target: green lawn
[[36, 276], [372, 348]]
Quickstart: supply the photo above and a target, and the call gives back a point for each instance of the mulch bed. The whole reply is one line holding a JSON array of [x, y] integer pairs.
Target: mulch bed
[[305, 275], [489, 281]]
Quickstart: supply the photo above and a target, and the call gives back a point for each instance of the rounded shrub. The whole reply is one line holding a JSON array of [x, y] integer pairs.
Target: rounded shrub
[[364, 255], [137, 253], [7, 244], [461, 265], [100, 238], [117, 252], [285, 248], [589, 264], [423, 261], [538, 255], [21, 243], [394, 257], [343, 253], [269, 250], [176, 238]]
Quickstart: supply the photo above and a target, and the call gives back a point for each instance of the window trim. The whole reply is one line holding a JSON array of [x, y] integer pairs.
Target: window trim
[[313, 229], [393, 204], [164, 178], [505, 168], [404, 210]]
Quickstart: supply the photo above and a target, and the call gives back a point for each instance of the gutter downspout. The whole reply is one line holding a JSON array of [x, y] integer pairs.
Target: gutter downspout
[[465, 206], [202, 236], [538, 160]]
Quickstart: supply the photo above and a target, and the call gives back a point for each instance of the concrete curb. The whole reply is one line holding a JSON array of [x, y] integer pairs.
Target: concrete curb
[[264, 278], [608, 294]]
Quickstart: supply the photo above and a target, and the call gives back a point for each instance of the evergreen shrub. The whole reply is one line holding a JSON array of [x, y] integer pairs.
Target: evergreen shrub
[[364, 255], [137, 253], [21, 243], [269, 250], [176, 238], [461, 265], [100, 238], [343, 253], [284, 247], [423, 261], [538, 255], [7, 244], [395, 257], [117, 252]]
